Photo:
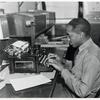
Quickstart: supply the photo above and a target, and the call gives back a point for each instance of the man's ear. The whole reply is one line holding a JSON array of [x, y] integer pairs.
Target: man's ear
[[82, 35]]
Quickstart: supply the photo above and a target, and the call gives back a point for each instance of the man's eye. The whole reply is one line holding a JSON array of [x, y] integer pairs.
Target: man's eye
[[67, 33]]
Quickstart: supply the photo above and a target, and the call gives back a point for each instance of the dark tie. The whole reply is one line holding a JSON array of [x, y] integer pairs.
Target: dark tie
[[76, 52]]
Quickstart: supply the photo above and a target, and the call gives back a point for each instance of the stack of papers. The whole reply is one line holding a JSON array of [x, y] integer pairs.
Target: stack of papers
[[28, 82]]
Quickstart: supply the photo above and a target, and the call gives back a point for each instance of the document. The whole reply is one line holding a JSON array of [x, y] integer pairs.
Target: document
[[28, 82]]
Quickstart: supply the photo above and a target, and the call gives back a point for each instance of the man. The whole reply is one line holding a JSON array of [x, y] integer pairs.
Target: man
[[83, 78]]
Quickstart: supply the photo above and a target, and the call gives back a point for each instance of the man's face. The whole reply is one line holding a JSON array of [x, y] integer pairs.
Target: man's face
[[75, 37]]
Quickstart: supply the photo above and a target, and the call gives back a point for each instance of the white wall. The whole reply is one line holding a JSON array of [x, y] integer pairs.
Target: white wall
[[11, 7], [91, 7], [64, 10], [27, 6], [92, 11]]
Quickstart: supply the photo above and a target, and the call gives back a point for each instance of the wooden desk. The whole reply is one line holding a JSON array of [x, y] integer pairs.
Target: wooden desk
[[38, 91]]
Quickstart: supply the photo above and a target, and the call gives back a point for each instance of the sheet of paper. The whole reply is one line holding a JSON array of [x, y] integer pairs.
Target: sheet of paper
[[27, 82]]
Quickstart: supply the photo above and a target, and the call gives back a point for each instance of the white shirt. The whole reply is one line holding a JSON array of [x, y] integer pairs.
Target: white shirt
[[84, 78]]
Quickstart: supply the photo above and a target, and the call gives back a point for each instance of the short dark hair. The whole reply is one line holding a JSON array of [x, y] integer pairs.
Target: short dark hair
[[82, 24]]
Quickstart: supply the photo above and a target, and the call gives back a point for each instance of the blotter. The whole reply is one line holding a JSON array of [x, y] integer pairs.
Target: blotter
[[28, 82]]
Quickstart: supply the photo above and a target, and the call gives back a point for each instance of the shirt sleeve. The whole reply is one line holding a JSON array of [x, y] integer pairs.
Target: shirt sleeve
[[83, 86]]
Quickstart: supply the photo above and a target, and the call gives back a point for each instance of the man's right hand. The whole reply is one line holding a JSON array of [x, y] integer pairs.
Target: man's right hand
[[56, 64], [52, 56]]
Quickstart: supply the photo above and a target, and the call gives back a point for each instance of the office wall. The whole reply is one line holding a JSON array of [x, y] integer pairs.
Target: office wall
[[90, 7], [64, 10], [9, 7], [28, 6], [92, 14], [12, 7]]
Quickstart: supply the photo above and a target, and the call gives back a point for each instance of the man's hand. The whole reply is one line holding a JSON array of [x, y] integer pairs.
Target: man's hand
[[53, 56], [56, 64]]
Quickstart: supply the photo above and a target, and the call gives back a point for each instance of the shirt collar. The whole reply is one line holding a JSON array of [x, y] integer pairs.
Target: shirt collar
[[85, 45]]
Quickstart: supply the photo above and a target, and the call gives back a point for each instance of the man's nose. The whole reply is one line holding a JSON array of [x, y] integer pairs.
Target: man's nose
[[69, 39]]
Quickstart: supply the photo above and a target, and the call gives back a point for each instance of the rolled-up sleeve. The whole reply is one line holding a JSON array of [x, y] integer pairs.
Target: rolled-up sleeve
[[83, 86]]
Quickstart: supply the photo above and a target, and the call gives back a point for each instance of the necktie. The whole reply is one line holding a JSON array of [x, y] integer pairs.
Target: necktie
[[76, 52]]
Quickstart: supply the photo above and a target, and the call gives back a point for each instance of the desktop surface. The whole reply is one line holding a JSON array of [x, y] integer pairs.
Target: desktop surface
[[36, 92], [42, 90]]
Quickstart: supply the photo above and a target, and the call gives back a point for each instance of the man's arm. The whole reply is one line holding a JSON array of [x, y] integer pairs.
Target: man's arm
[[67, 64], [83, 86]]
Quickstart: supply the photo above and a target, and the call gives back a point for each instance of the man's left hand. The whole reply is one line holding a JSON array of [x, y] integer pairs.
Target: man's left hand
[[56, 64]]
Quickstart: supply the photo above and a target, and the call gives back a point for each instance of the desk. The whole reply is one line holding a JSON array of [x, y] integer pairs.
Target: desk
[[38, 91]]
